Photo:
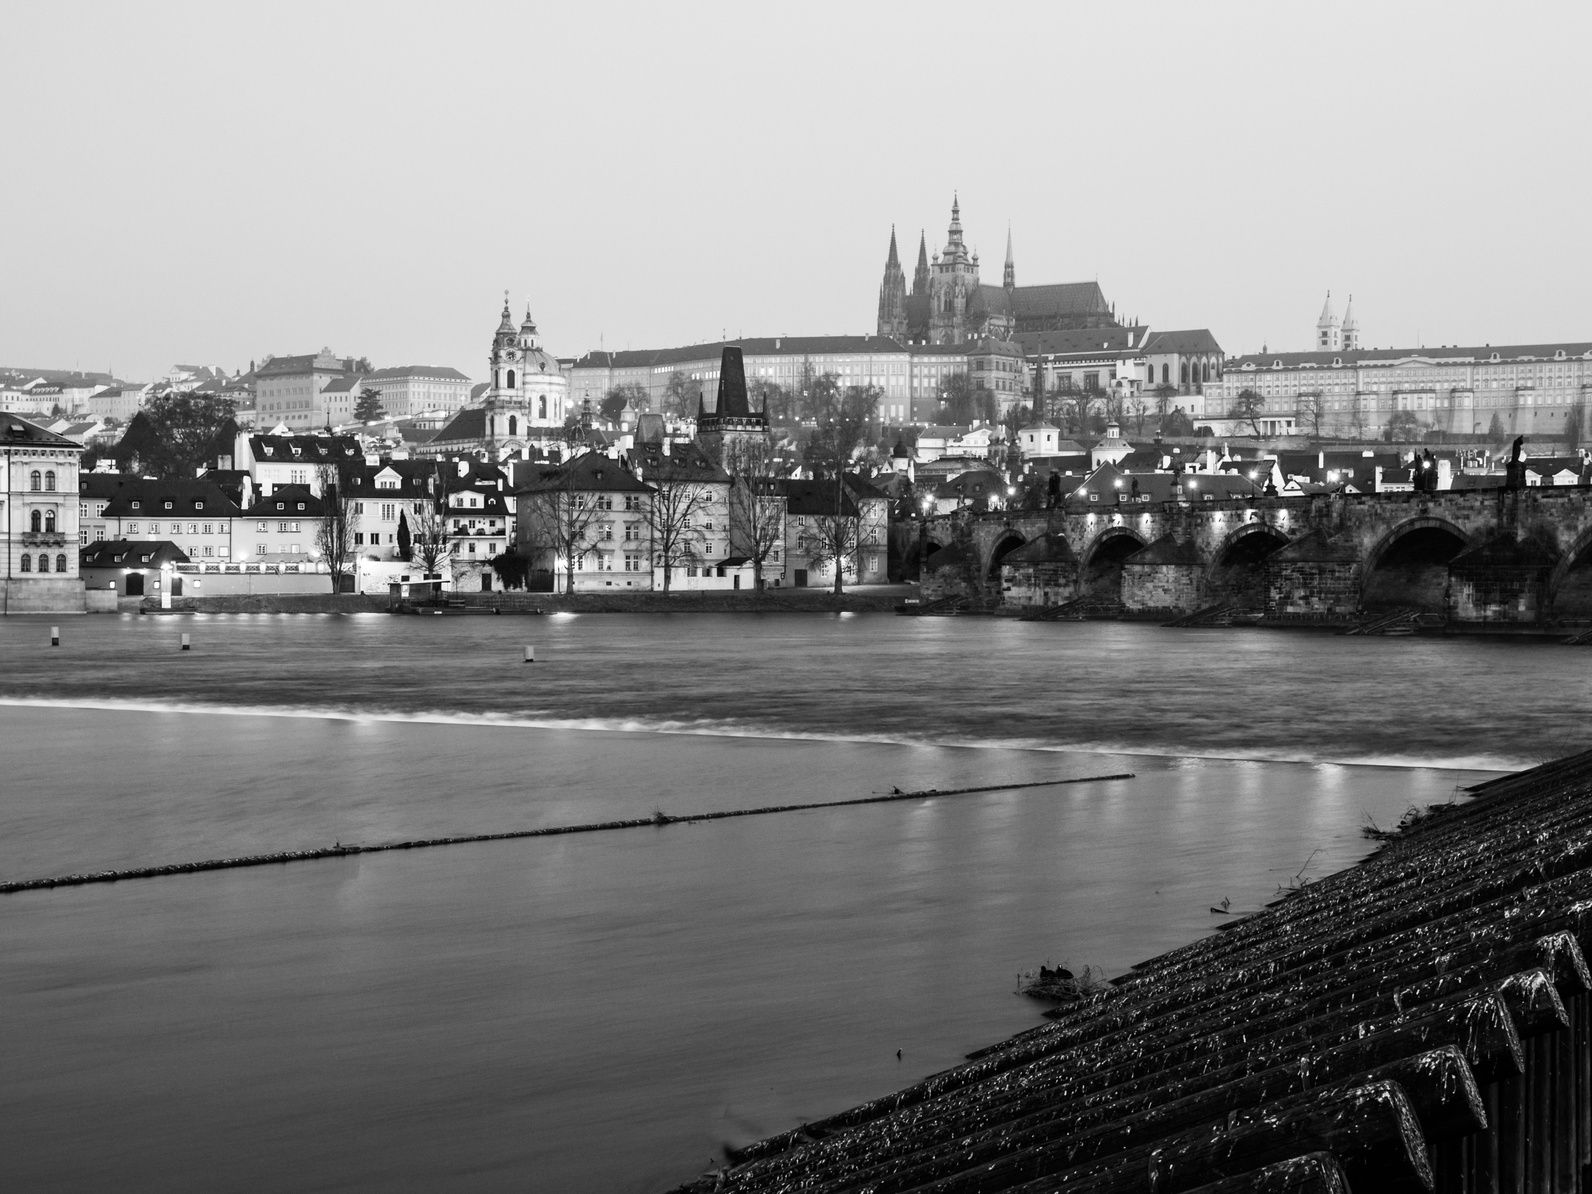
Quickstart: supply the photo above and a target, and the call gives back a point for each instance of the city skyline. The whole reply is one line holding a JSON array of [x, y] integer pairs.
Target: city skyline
[[375, 187]]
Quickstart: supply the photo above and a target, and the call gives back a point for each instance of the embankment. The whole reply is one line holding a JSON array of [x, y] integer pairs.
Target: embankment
[[874, 599]]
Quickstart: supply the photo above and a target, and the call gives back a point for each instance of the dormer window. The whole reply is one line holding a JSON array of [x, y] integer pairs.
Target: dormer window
[[269, 450], [280, 506], [136, 504], [168, 505], [198, 505], [301, 505]]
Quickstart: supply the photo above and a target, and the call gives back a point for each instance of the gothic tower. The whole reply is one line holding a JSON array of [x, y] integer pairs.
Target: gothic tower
[[732, 422], [1009, 274], [952, 285], [893, 296], [1329, 332], [920, 275]]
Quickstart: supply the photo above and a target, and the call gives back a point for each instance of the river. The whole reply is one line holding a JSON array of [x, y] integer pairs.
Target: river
[[604, 1012]]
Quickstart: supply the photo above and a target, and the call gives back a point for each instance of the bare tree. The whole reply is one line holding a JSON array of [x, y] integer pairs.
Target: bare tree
[[1248, 407], [429, 542], [1138, 408], [681, 396], [757, 507], [680, 502], [334, 537], [559, 512], [833, 537], [1309, 411]]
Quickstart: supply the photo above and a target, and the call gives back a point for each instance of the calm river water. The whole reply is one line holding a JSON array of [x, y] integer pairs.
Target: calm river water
[[604, 1012]]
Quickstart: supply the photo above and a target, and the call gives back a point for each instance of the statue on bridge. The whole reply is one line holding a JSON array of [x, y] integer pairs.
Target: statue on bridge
[[1515, 470]]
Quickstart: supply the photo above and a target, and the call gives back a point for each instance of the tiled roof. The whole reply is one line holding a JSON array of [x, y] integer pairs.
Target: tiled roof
[[187, 498], [468, 424], [1482, 355], [343, 385], [313, 449], [287, 499], [1081, 341], [814, 498], [100, 485], [588, 473], [1194, 340], [14, 429], [436, 372], [130, 553], [976, 484], [1059, 298], [684, 462], [795, 346]]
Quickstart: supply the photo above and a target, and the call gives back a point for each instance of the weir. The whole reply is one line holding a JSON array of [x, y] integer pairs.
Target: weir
[[1486, 558], [1419, 1022]]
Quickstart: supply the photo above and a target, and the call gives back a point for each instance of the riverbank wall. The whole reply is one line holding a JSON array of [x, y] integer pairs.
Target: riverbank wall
[[870, 599], [1420, 1022]]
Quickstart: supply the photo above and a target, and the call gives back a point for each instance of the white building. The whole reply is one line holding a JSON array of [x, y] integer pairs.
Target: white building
[[38, 520], [290, 391], [409, 390]]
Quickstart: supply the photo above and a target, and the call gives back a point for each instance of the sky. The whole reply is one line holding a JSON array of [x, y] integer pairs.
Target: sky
[[209, 183]]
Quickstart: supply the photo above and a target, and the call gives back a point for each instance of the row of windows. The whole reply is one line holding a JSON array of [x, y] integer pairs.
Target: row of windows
[[44, 563], [44, 522], [42, 481]]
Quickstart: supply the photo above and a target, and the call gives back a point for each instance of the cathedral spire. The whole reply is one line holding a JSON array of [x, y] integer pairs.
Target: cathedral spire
[[893, 259], [920, 275], [1009, 276]]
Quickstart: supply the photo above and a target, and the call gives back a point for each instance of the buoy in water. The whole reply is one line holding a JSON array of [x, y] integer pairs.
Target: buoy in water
[[55, 636], [530, 654], [185, 642]]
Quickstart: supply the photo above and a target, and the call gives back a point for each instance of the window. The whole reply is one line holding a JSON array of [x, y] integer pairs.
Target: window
[[135, 504], [49, 481], [632, 562], [632, 531], [261, 549], [389, 511], [210, 528], [359, 538], [375, 538], [36, 522], [49, 522], [27, 562], [632, 501], [132, 528], [35, 481], [260, 527], [608, 534], [44, 562]]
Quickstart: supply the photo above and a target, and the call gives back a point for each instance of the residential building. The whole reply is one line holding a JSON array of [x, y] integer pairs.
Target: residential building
[[1530, 389], [281, 526], [196, 515], [120, 403], [590, 509], [689, 510], [810, 505], [39, 520], [274, 460], [410, 390], [291, 391]]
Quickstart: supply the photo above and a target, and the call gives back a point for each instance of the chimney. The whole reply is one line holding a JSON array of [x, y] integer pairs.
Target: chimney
[[666, 447]]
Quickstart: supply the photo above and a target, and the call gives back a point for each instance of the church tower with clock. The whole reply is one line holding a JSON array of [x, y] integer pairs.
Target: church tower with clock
[[528, 395]]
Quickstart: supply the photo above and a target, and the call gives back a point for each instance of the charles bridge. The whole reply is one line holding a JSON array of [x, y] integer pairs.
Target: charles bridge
[[1513, 556]]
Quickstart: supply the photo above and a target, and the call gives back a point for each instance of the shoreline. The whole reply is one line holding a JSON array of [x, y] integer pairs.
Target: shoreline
[[720, 601]]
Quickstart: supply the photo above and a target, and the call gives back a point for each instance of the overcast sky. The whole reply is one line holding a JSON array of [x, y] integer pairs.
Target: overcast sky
[[209, 183]]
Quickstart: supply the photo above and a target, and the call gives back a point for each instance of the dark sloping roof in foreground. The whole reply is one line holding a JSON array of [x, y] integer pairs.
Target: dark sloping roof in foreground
[[1405, 1024]]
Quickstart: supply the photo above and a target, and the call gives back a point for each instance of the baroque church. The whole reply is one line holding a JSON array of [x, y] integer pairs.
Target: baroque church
[[949, 305], [526, 400]]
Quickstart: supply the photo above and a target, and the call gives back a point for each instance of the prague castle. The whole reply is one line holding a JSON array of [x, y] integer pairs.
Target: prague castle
[[949, 305]]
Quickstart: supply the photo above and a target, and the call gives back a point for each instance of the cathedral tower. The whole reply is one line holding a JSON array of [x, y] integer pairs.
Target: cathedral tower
[[952, 285], [1009, 274], [920, 275], [893, 296]]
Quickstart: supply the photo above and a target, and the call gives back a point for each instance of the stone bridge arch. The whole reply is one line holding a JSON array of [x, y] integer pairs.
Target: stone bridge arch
[[1408, 565], [1569, 596], [1235, 573], [1100, 569], [1009, 541]]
